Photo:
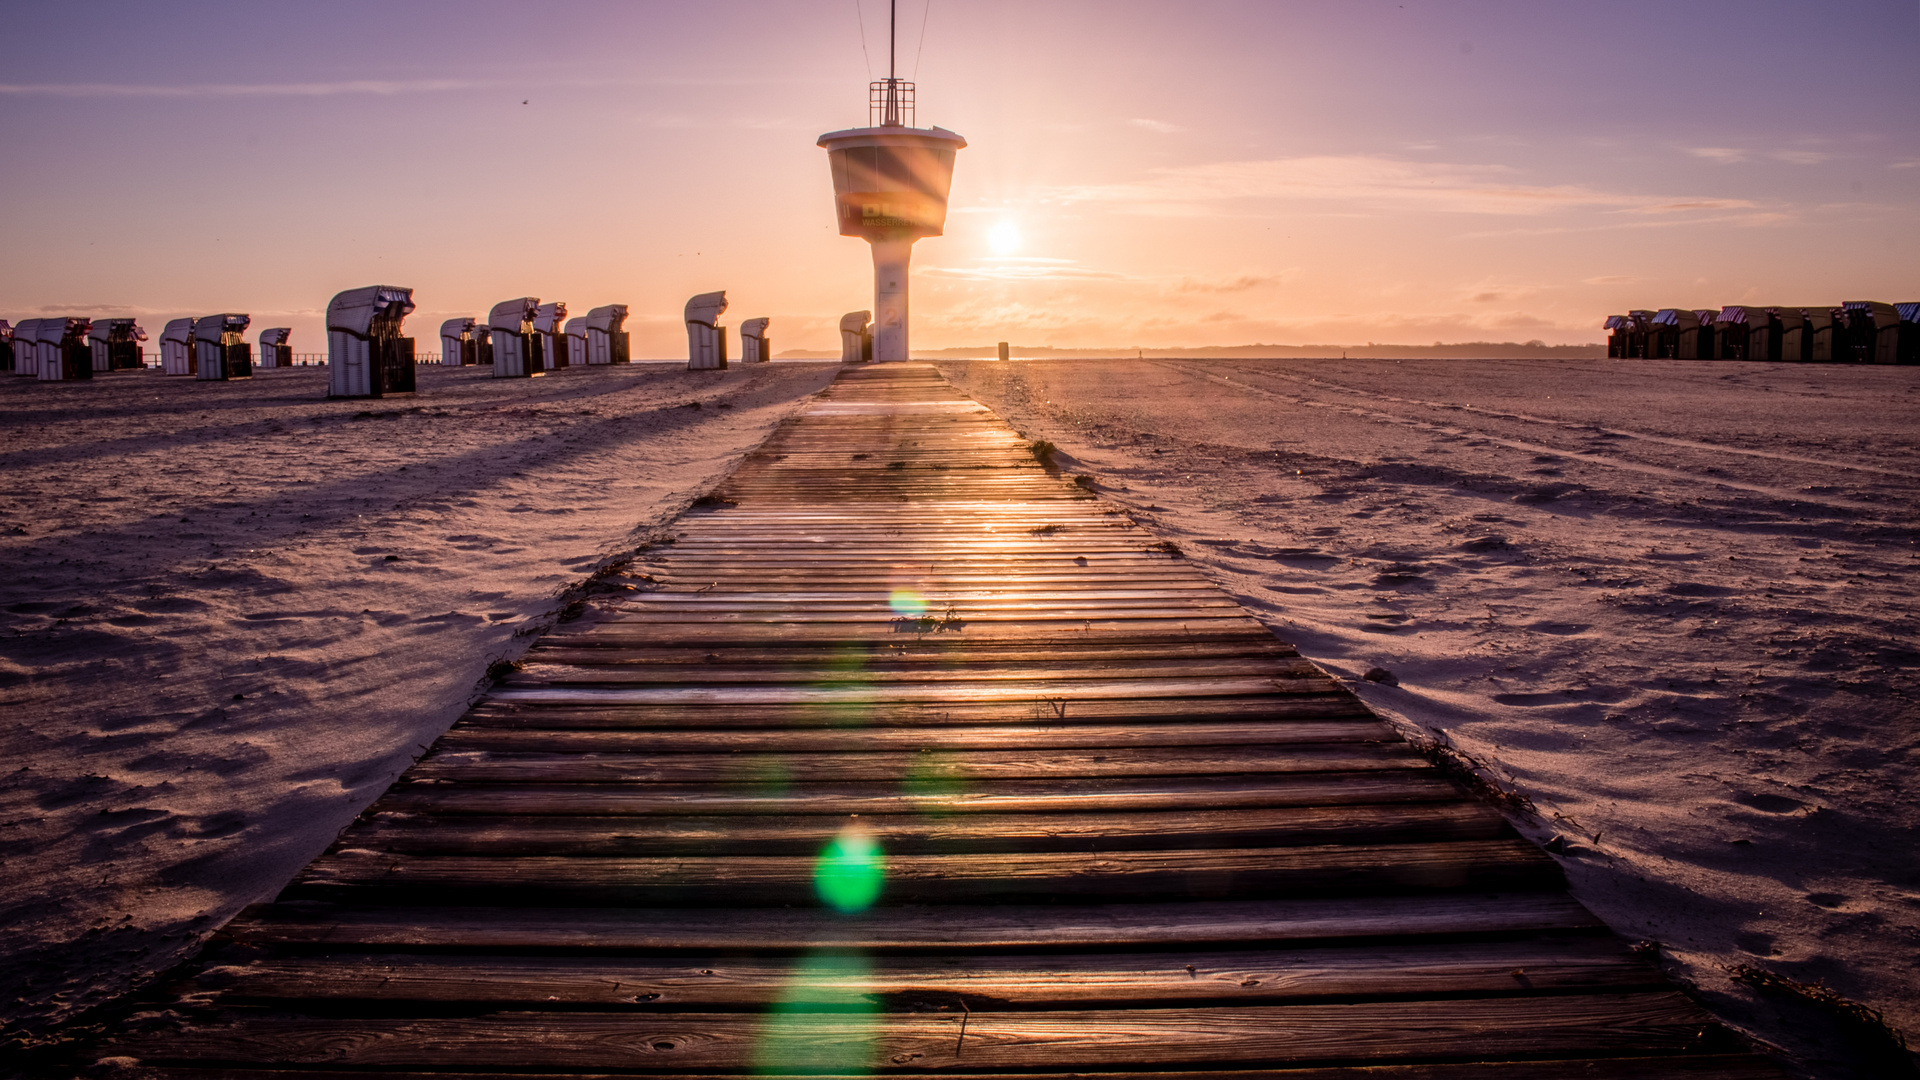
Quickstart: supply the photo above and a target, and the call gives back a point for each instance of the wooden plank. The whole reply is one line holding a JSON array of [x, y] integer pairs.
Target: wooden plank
[[565, 647], [946, 768], [1021, 737], [919, 983], [542, 671], [995, 928], [1313, 705], [934, 796], [1466, 1028], [762, 880], [1008, 690], [1689, 1067], [787, 833]]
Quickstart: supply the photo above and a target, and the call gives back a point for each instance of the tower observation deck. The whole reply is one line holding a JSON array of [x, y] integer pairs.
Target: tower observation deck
[[890, 185]]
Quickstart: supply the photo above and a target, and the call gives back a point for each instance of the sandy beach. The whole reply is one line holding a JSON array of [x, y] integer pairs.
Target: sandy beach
[[1669, 605], [1666, 606], [234, 612]]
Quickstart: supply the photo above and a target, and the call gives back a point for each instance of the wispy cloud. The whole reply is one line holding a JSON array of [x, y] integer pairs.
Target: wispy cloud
[[1611, 279], [1800, 157], [1022, 270], [1378, 181], [194, 90], [1720, 155], [1243, 283], [1160, 126]]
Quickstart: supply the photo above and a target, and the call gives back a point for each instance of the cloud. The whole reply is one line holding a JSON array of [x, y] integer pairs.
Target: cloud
[[1611, 279], [1158, 126], [1800, 157], [192, 90], [1722, 155], [1376, 181], [1022, 270], [105, 311], [1235, 285]]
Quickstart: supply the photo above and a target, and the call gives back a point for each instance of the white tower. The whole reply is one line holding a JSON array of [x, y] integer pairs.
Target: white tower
[[890, 184]]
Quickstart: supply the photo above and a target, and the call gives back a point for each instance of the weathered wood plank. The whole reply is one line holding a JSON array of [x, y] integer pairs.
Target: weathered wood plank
[[990, 690], [1014, 737], [1314, 704], [763, 880], [946, 768], [542, 671], [920, 983], [932, 795], [1688, 1067], [992, 928], [1467, 1028], [788, 833]]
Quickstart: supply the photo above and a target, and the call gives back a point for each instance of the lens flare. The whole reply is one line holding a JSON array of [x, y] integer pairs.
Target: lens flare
[[823, 1022], [850, 871], [907, 603]]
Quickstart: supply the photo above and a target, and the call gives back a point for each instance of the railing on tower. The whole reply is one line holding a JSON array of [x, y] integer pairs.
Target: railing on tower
[[890, 103]]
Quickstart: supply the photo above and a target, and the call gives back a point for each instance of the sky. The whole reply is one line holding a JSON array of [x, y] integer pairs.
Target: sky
[[1154, 174]]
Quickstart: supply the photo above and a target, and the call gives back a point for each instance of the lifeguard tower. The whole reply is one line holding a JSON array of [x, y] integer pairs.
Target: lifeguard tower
[[890, 184]]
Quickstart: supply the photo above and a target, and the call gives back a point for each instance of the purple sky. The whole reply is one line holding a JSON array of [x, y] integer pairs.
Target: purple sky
[[1153, 173]]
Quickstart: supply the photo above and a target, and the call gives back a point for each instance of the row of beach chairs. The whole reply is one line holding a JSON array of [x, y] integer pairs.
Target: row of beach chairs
[[369, 356], [1856, 332], [70, 348]]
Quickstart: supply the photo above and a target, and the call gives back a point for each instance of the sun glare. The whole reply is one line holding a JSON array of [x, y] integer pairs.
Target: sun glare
[[1004, 239]]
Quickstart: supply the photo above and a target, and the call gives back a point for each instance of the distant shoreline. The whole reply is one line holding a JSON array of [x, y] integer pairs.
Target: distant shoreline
[[1466, 350]]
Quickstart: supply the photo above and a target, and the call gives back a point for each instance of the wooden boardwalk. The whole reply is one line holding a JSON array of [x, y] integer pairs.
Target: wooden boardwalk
[[908, 756]]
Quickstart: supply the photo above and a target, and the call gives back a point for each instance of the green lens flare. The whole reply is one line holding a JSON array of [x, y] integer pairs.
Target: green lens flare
[[907, 603], [824, 1021], [850, 871]]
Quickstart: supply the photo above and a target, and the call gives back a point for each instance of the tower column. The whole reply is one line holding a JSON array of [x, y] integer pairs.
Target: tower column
[[890, 258]]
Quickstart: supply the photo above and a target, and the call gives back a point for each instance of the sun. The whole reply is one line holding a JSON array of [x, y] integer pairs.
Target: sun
[[1004, 238]]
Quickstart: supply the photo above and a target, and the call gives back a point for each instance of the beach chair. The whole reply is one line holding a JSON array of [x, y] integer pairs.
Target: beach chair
[[856, 337], [220, 352], [706, 338], [754, 347], [514, 345], [607, 340], [366, 355], [457, 347], [274, 350]]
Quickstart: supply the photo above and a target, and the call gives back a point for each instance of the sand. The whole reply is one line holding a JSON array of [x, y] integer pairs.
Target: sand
[[1670, 603], [234, 612]]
